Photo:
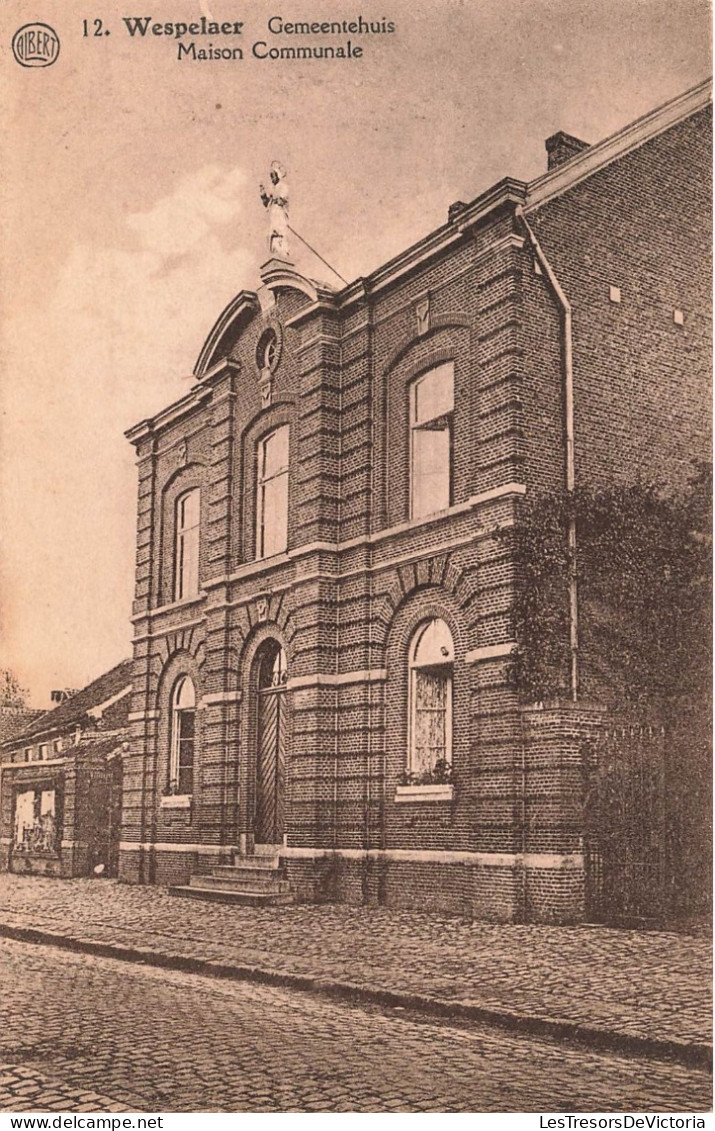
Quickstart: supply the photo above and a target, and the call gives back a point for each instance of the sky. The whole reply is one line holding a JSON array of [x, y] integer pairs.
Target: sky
[[130, 216]]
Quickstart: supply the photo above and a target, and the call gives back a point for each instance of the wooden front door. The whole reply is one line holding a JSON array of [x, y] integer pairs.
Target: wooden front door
[[272, 747]]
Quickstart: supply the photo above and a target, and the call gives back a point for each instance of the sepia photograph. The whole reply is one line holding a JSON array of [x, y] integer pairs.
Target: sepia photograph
[[356, 561]]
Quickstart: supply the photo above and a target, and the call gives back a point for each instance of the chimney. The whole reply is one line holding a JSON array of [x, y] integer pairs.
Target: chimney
[[562, 147], [455, 209]]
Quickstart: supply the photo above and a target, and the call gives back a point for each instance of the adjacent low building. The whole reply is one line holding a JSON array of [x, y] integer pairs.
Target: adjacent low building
[[61, 783]]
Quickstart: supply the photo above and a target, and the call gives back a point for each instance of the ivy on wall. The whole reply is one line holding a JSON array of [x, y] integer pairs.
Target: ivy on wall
[[643, 570]]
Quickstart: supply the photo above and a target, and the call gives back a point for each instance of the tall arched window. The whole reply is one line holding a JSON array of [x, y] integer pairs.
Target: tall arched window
[[272, 493], [431, 412], [183, 737], [431, 660], [186, 558]]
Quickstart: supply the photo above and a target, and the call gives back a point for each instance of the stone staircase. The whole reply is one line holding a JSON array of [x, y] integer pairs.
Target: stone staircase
[[252, 881]]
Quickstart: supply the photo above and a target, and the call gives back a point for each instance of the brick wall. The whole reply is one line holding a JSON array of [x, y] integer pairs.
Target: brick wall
[[641, 382]]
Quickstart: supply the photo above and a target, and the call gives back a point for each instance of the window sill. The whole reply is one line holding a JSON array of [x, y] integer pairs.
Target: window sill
[[443, 792], [169, 607], [176, 801], [248, 569]]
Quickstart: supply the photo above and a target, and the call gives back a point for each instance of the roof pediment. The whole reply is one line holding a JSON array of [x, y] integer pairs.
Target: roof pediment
[[282, 275], [233, 319]]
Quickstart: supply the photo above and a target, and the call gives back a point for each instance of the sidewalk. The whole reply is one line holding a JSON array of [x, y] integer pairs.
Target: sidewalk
[[646, 992]]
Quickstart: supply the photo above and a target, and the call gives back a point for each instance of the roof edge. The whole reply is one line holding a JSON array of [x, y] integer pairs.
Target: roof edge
[[630, 137], [508, 190], [170, 414], [57, 719], [244, 303]]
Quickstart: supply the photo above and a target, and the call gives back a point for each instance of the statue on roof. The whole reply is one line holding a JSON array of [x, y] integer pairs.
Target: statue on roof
[[275, 199]]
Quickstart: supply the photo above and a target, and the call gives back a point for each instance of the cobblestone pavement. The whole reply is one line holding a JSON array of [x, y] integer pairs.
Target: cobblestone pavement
[[652, 984], [85, 1033]]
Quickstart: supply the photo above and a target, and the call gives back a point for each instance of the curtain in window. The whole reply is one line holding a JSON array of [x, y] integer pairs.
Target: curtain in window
[[431, 671], [430, 691], [183, 736]]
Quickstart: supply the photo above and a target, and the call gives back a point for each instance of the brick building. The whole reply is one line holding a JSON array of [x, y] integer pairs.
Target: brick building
[[61, 782], [323, 614]]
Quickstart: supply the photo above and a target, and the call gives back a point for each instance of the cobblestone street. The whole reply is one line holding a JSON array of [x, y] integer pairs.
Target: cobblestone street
[[82, 1033], [649, 984]]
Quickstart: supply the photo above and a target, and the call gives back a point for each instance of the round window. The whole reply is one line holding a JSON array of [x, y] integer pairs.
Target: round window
[[267, 351]]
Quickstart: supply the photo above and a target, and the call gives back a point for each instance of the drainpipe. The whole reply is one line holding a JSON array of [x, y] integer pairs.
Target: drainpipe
[[569, 428], [370, 586]]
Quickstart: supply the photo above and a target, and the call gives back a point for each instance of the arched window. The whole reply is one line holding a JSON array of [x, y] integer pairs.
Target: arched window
[[272, 493], [431, 427], [431, 660], [183, 735], [186, 557]]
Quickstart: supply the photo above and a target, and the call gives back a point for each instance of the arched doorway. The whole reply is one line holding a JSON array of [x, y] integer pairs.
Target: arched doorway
[[272, 743]]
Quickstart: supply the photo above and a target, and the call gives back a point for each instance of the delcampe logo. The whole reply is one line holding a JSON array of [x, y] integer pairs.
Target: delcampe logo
[[36, 45]]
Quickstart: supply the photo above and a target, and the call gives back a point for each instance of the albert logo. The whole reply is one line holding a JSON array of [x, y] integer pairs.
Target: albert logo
[[36, 45]]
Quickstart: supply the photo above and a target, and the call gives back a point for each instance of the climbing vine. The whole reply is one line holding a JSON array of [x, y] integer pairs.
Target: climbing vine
[[643, 570]]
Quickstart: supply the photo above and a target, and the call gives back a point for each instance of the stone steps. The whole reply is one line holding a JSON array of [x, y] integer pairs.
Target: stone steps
[[252, 863], [229, 895], [254, 881], [239, 881]]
